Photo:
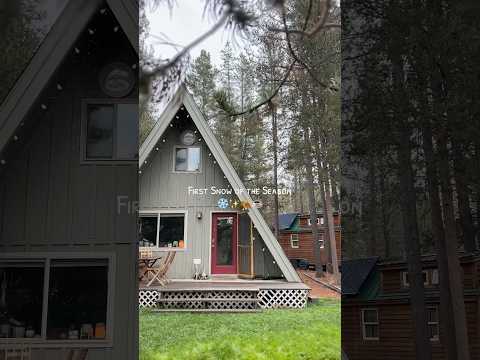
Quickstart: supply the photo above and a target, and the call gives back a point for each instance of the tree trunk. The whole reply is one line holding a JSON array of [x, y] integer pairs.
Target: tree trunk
[[331, 231], [412, 247], [463, 197], [275, 168], [311, 202], [446, 315], [408, 201], [456, 283]]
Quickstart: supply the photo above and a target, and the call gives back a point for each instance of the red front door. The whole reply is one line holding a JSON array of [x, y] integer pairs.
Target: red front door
[[224, 243]]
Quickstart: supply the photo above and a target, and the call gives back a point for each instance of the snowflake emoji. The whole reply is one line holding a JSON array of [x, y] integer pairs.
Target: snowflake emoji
[[223, 203]]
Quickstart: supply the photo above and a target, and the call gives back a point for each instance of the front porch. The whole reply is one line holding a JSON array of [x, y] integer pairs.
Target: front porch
[[220, 295]]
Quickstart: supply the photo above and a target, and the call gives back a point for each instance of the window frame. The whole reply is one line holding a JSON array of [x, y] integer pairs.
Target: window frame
[[158, 213], [292, 240], [84, 160], [364, 324], [321, 239], [436, 323], [175, 147], [47, 257], [406, 284]]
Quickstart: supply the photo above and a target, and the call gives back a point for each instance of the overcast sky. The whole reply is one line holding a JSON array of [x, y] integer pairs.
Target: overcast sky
[[182, 25]]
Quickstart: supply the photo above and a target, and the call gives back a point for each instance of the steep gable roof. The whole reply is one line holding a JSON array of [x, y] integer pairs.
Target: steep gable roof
[[57, 43], [183, 97]]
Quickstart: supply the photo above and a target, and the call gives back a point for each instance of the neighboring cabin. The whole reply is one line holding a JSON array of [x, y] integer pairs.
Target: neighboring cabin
[[68, 253], [296, 237], [376, 314]]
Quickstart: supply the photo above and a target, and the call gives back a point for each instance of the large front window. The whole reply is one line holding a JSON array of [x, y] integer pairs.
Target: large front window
[[54, 299], [163, 230]]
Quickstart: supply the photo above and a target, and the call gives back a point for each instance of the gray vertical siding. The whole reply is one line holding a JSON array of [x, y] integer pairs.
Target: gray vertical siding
[[52, 202], [161, 188]]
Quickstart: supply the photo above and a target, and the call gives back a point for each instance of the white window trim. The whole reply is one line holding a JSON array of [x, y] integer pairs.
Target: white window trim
[[297, 240], [406, 284], [321, 240], [43, 342], [84, 160], [437, 323], [175, 157], [377, 323], [158, 214]]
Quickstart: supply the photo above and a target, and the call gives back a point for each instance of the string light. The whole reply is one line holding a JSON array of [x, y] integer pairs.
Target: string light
[[91, 31], [77, 50], [15, 138], [43, 106], [134, 66], [59, 87], [163, 140], [3, 162], [103, 11], [156, 149], [115, 29]]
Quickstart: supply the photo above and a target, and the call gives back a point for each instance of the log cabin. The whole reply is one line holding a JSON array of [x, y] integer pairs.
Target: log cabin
[[376, 314], [296, 238], [193, 203], [69, 150]]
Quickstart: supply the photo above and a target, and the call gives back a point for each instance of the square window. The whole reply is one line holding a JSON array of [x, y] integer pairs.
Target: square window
[[111, 132], [77, 299], [21, 298], [294, 242], [187, 159]]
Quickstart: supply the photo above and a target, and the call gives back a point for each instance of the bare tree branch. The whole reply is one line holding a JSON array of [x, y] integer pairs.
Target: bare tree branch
[[272, 95]]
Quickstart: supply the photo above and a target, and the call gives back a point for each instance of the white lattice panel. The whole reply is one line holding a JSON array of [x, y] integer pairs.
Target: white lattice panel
[[147, 298], [282, 298], [208, 300]]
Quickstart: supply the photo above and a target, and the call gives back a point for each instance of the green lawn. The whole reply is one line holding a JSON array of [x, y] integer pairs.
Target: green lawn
[[309, 334]]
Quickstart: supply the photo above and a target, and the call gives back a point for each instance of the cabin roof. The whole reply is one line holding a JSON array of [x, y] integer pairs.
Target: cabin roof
[[285, 221], [183, 98], [355, 273], [61, 38]]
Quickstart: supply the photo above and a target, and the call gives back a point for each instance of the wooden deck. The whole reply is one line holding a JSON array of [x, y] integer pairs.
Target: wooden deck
[[219, 295], [226, 285]]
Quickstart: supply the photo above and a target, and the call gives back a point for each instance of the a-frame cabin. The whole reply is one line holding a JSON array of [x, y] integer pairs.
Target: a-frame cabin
[[68, 153], [184, 174]]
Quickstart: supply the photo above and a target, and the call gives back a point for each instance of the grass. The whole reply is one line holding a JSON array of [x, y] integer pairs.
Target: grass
[[308, 334]]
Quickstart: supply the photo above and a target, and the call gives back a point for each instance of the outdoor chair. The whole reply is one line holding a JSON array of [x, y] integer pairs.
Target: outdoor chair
[[77, 354], [144, 254], [18, 352], [160, 272]]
